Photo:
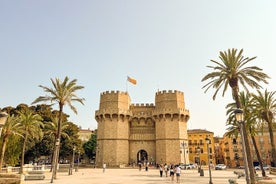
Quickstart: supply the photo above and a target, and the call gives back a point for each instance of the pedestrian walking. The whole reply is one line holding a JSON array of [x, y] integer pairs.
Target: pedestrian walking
[[177, 172], [172, 172]]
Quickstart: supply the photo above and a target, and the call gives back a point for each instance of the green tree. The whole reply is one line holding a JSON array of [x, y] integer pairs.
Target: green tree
[[265, 105], [250, 120], [63, 93], [231, 71], [10, 128], [30, 125], [90, 147]]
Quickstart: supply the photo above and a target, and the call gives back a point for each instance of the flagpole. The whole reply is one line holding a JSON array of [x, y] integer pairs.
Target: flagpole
[[126, 87]]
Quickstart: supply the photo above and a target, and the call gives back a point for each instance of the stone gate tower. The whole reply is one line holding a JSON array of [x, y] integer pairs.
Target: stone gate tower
[[128, 133]]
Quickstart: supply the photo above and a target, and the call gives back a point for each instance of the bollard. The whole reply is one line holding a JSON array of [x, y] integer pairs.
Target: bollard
[[201, 172]]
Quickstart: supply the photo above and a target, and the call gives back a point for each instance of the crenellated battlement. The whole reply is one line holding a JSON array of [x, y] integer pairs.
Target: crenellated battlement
[[143, 105], [169, 92], [114, 92], [114, 100]]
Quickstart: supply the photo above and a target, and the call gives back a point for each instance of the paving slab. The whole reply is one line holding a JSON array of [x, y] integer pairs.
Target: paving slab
[[134, 176]]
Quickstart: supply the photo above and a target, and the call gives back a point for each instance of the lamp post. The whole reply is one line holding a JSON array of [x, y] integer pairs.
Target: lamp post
[[208, 141], [198, 151], [184, 151], [3, 119], [239, 118]]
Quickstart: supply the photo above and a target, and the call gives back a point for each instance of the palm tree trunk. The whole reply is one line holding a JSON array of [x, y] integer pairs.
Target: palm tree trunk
[[273, 151], [258, 155], [57, 146], [235, 92], [4, 143], [23, 154]]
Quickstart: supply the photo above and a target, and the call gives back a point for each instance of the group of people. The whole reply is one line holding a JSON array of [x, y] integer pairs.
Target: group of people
[[171, 170]]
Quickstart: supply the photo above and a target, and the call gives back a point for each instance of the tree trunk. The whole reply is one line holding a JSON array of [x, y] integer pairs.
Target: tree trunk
[[2, 156], [57, 144], [23, 154], [258, 156], [235, 93], [273, 151]]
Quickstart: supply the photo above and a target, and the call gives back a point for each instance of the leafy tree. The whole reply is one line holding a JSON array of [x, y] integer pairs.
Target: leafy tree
[[63, 93], [10, 128], [265, 104], [90, 147], [13, 150], [250, 120], [30, 125], [231, 71]]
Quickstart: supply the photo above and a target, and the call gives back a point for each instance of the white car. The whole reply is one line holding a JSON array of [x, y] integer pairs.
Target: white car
[[220, 167], [259, 168]]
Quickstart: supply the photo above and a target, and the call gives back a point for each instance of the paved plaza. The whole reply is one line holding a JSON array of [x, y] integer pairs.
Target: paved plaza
[[134, 176]]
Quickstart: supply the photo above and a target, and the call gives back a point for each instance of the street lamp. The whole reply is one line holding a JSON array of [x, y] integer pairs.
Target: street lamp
[[198, 151], [240, 118], [3, 119], [184, 151], [208, 141]]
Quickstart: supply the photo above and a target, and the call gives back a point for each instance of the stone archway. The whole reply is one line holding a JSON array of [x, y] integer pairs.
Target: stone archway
[[142, 156]]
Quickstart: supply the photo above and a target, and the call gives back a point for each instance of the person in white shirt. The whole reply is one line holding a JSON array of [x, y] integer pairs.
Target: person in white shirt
[[177, 172]]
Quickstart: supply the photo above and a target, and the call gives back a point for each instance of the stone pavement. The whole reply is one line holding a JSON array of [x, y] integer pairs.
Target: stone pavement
[[134, 176]]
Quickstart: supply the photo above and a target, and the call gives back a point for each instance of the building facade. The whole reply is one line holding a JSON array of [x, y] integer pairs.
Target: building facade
[[233, 151], [129, 133], [198, 148]]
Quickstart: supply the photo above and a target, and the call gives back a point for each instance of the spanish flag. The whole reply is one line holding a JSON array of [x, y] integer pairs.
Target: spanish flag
[[131, 80]]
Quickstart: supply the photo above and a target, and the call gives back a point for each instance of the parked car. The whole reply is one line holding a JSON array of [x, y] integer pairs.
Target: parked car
[[220, 167], [259, 167], [187, 166]]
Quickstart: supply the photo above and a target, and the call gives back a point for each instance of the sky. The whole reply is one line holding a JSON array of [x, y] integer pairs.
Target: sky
[[163, 44]]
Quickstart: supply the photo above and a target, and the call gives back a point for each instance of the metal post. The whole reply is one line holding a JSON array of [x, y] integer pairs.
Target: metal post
[[244, 155], [208, 152], [239, 118], [184, 151]]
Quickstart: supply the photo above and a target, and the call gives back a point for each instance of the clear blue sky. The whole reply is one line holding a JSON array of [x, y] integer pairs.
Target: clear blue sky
[[162, 44]]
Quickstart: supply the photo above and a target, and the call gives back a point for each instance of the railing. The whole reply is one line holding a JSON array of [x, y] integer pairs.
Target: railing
[[27, 167]]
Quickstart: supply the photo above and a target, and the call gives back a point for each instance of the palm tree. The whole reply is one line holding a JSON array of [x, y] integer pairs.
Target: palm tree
[[249, 119], [231, 71], [63, 93], [265, 105], [30, 125], [10, 128], [51, 130]]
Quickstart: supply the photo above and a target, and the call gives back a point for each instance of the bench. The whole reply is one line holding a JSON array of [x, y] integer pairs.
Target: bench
[[35, 175], [6, 178]]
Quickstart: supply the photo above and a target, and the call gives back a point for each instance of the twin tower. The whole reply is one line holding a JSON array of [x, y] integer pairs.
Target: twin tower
[[129, 133]]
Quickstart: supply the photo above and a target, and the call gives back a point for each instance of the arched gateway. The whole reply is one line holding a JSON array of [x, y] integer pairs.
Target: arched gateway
[[142, 156], [129, 133]]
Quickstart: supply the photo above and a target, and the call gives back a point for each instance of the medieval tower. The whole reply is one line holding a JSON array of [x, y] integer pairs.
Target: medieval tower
[[128, 133]]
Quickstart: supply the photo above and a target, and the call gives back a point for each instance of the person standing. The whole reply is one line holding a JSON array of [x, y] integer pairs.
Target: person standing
[[172, 172], [140, 166], [104, 167], [177, 172], [166, 169], [161, 170]]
